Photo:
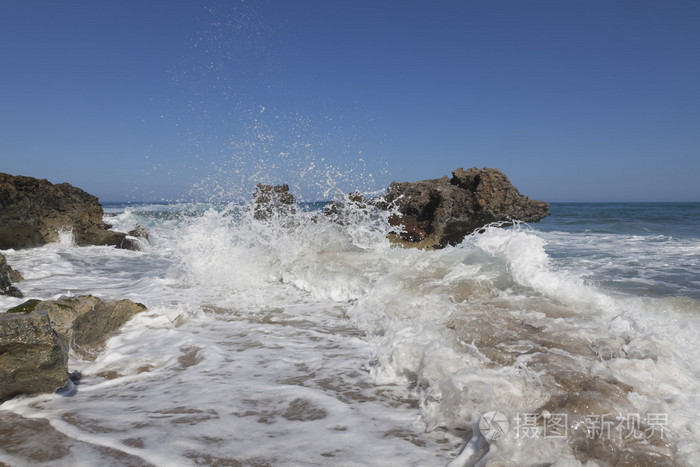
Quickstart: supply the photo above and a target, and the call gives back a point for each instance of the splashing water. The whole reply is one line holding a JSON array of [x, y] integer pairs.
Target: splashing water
[[66, 238], [310, 329], [309, 339]]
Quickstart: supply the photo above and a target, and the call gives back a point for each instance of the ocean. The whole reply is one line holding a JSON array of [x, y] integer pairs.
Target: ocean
[[297, 341]]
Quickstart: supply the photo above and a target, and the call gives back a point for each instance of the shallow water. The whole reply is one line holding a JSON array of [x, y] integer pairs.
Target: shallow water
[[299, 341]]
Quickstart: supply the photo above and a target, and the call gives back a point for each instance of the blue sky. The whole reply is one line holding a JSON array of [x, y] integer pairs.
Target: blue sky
[[148, 100]]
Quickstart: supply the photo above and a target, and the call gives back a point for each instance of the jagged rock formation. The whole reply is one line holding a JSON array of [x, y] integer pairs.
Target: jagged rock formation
[[272, 200], [35, 339], [440, 212], [33, 212], [429, 214], [7, 277]]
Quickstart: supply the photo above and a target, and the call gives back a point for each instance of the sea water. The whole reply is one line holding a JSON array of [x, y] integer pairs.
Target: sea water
[[302, 340]]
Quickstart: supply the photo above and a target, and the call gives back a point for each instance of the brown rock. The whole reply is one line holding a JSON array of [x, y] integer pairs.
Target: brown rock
[[33, 212], [440, 212], [139, 232], [35, 338], [33, 358], [272, 200], [15, 275], [7, 277], [87, 320]]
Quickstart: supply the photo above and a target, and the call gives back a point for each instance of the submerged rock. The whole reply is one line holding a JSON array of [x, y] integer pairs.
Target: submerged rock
[[33, 212], [440, 212], [35, 338]]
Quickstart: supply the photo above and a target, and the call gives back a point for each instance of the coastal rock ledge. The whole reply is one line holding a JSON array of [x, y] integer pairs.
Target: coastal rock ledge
[[440, 212], [33, 212], [36, 337]]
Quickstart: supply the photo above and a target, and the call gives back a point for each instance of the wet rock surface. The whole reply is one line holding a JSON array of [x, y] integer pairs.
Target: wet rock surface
[[33, 358], [33, 212], [33, 441], [86, 320], [272, 201], [7, 277], [139, 232], [35, 338], [440, 212]]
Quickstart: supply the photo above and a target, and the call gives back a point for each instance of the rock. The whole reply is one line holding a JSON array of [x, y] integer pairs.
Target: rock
[[101, 322], [139, 232], [33, 212], [33, 358], [30, 441], [15, 275], [273, 201], [84, 320], [343, 210], [440, 212], [137, 238], [36, 336], [7, 277]]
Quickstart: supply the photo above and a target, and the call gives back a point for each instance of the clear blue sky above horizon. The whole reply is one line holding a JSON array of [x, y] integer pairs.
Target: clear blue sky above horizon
[[140, 101]]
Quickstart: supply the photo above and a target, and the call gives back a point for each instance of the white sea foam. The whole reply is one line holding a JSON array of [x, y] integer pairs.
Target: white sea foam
[[303, 332]]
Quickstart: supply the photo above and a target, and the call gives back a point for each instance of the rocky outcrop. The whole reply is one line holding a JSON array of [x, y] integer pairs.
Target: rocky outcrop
[[33, 358], [35, 338], [7, 277], [270, 201], [440, 212], [33, 212], [87, 320]]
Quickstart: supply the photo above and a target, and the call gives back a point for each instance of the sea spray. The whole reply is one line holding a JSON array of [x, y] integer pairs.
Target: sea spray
[[238, 126], [229, 250], [512, 342], [314, 330]]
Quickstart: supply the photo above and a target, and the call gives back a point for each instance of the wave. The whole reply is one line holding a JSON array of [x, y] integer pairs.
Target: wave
[[306, 309], [492, 324]]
